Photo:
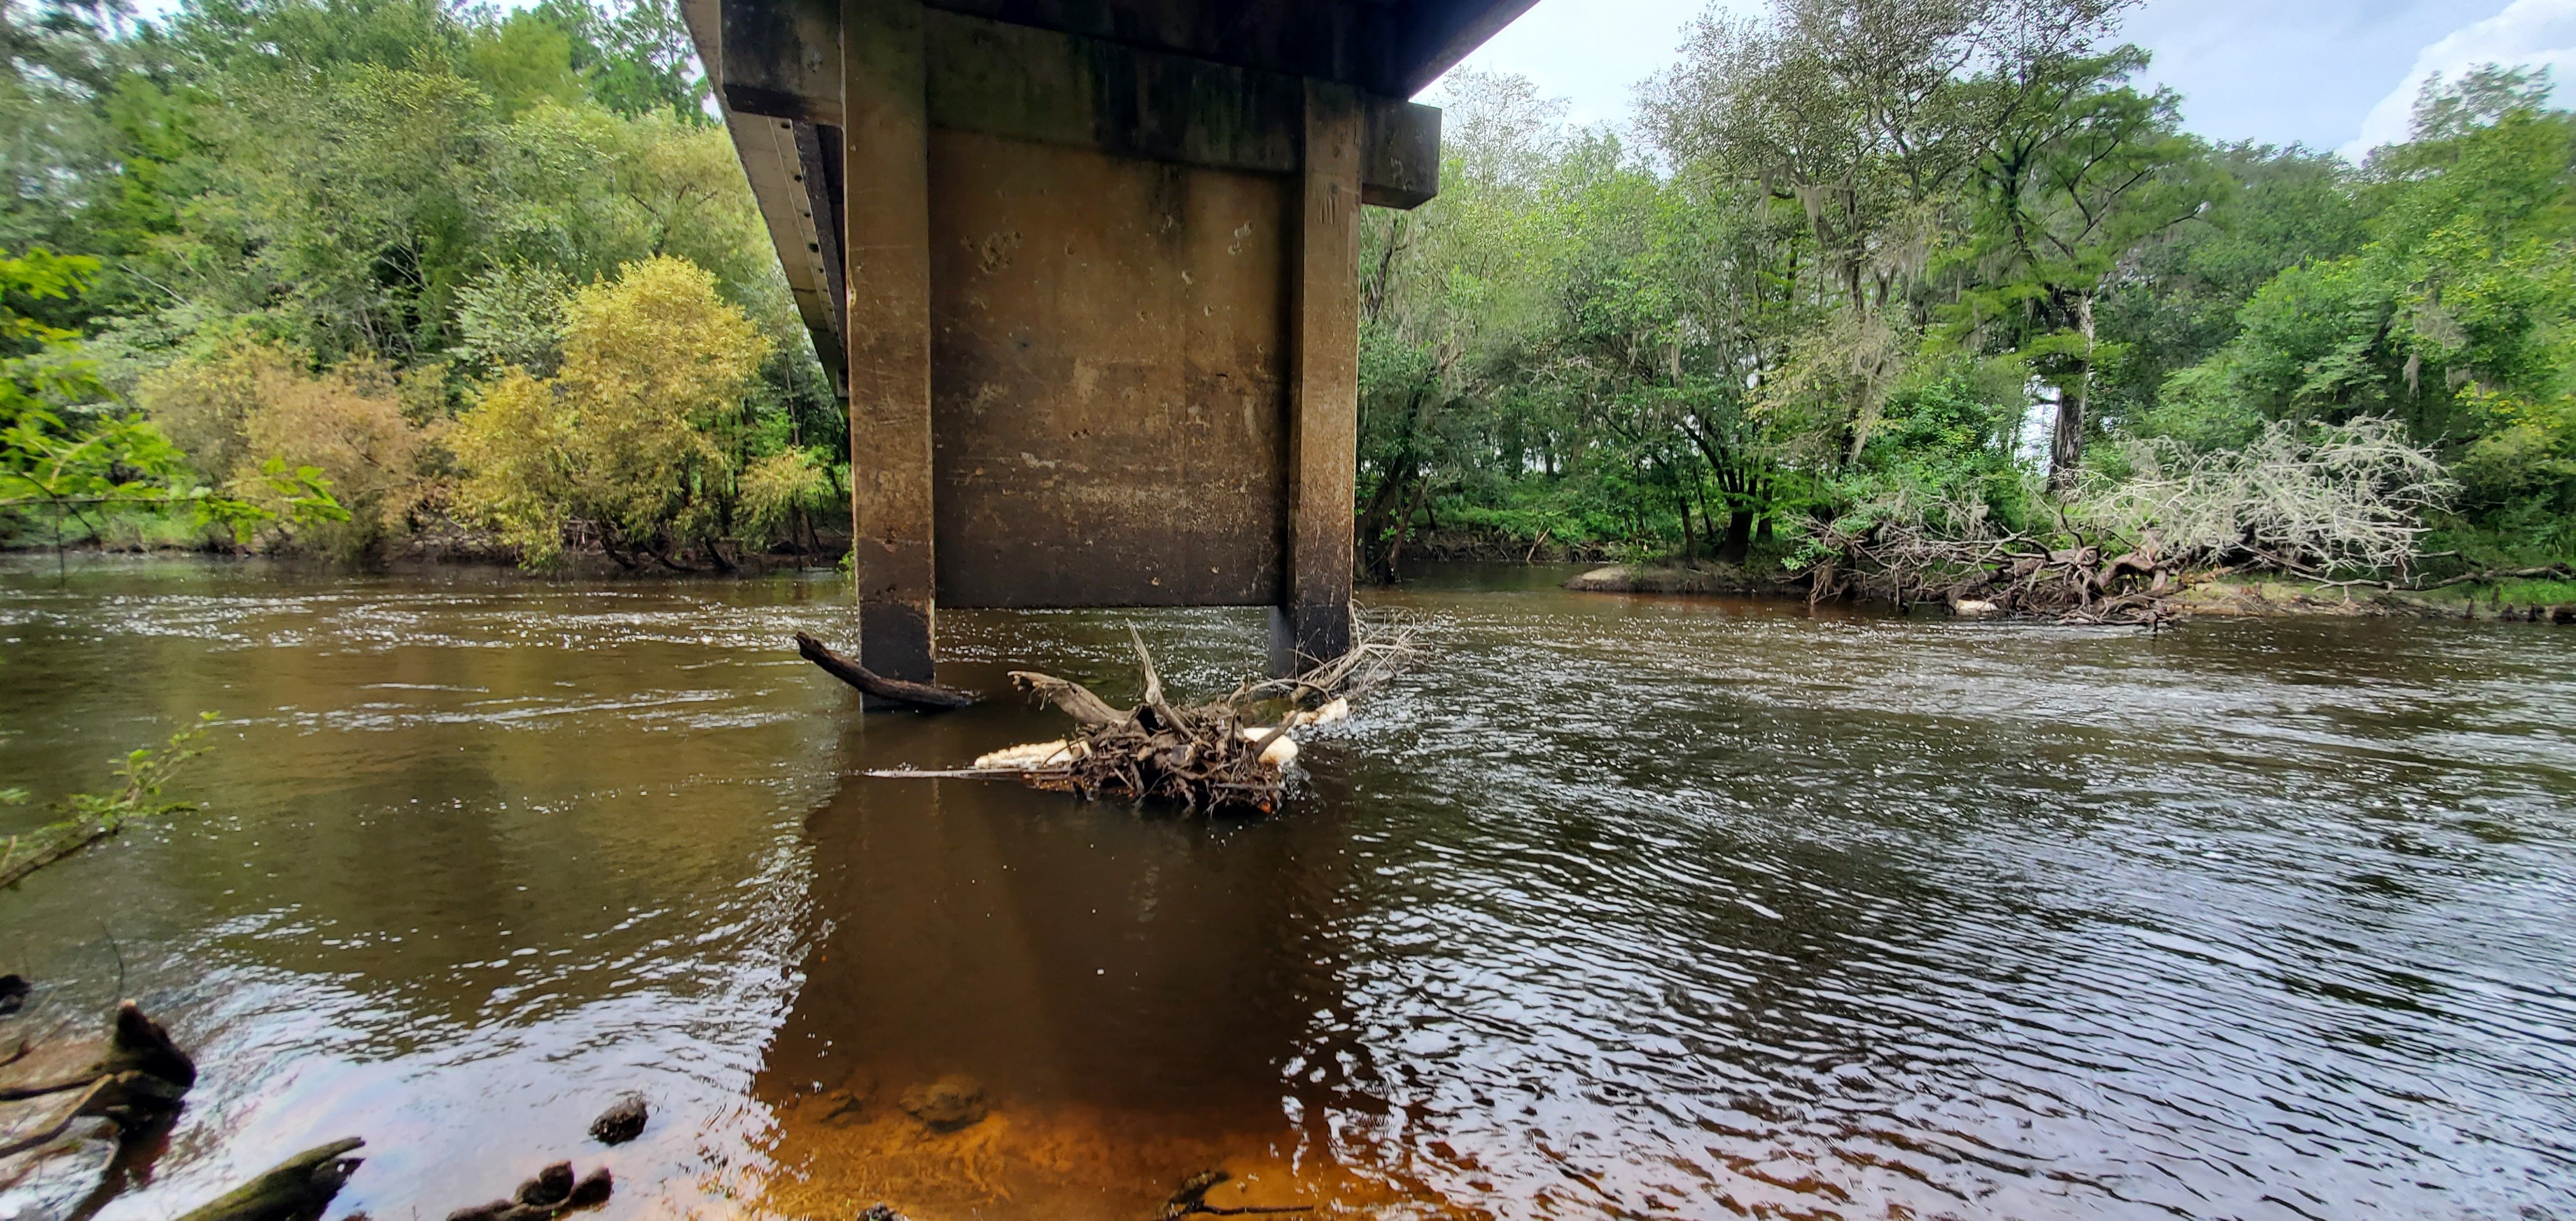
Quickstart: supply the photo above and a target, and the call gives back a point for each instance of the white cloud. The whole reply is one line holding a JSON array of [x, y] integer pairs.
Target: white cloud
[[2272, 71], [1594, 53], [2528, 33]]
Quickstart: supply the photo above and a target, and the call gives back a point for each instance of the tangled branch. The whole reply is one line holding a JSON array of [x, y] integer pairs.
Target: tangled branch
[[1228, 753], [2342, 498]]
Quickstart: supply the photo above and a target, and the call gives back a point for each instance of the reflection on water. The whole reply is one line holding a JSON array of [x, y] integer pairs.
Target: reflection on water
[[1619, 907]]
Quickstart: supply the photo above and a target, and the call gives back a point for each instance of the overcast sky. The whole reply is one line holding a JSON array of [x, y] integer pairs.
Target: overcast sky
[[2325, 73]]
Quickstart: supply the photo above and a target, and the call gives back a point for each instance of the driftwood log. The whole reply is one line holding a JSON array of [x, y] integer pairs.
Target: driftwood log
[[139, 1078], [297, 1189], [928, 697]]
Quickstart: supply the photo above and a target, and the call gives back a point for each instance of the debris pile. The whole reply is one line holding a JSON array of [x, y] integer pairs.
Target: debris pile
[[1228, 754]]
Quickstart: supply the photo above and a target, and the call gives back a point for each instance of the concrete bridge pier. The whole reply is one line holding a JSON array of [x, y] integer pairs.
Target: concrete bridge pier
[[1087, 272]]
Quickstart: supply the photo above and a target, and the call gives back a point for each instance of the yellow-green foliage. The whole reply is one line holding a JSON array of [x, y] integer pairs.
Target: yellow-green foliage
[[239, 408], [349, 422], [636, 436], [779, 486], [204, 403]]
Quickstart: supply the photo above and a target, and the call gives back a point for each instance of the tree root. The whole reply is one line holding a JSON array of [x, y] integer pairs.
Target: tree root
[[2012, 574]]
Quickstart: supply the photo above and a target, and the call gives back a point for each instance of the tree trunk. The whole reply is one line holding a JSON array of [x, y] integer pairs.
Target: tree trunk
[[2066, 446], [1690, 538], [1737, 546], [1404, 524]]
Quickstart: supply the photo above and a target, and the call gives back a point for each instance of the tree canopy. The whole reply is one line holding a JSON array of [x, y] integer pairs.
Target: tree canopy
[[1852, 262], [326, 231], [1867, 257]]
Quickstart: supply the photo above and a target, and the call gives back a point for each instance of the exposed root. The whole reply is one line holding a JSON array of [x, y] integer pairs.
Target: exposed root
[[2098, 580]]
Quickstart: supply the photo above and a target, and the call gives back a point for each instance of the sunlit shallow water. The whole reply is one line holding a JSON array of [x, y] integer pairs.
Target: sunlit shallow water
[[1616, 907]]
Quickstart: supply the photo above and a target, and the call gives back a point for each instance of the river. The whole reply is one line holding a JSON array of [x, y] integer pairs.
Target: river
[[1615, 907]]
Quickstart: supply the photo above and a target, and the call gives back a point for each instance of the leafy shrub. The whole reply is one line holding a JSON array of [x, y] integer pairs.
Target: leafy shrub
[[245, 412], [638, 438]]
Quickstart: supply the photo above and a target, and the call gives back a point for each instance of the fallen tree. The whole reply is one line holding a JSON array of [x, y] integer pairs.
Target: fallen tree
[[928, 697], [2334, 499]]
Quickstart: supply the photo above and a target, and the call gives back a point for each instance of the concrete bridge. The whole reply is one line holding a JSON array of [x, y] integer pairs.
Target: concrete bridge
[[1085, 271]]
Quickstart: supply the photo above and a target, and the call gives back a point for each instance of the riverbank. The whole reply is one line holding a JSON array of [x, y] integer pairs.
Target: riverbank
[[421, 551], [2498, 601], [2209, 595]]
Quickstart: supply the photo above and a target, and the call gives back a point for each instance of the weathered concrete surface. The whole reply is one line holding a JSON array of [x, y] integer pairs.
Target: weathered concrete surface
[[1054, 87], [1109, 391], [1392, 49], [1323, 383], [886, 143]]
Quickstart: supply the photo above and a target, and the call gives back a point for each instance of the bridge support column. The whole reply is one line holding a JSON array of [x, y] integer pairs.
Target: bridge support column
[[886, 133], [1313, 622]]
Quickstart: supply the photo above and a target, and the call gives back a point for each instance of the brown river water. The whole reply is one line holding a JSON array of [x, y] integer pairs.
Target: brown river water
[[1615, 907]]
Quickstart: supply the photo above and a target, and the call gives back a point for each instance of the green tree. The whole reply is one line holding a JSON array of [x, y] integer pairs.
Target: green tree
[[2176, 302], [101, 462], [639, 438], [2080, 173], [2453, 318]]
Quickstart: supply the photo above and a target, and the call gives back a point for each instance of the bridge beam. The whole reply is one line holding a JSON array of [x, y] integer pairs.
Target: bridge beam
[[1093, 270]]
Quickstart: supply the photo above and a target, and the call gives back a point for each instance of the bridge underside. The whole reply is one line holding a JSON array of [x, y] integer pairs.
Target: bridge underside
[[1085, 272]]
